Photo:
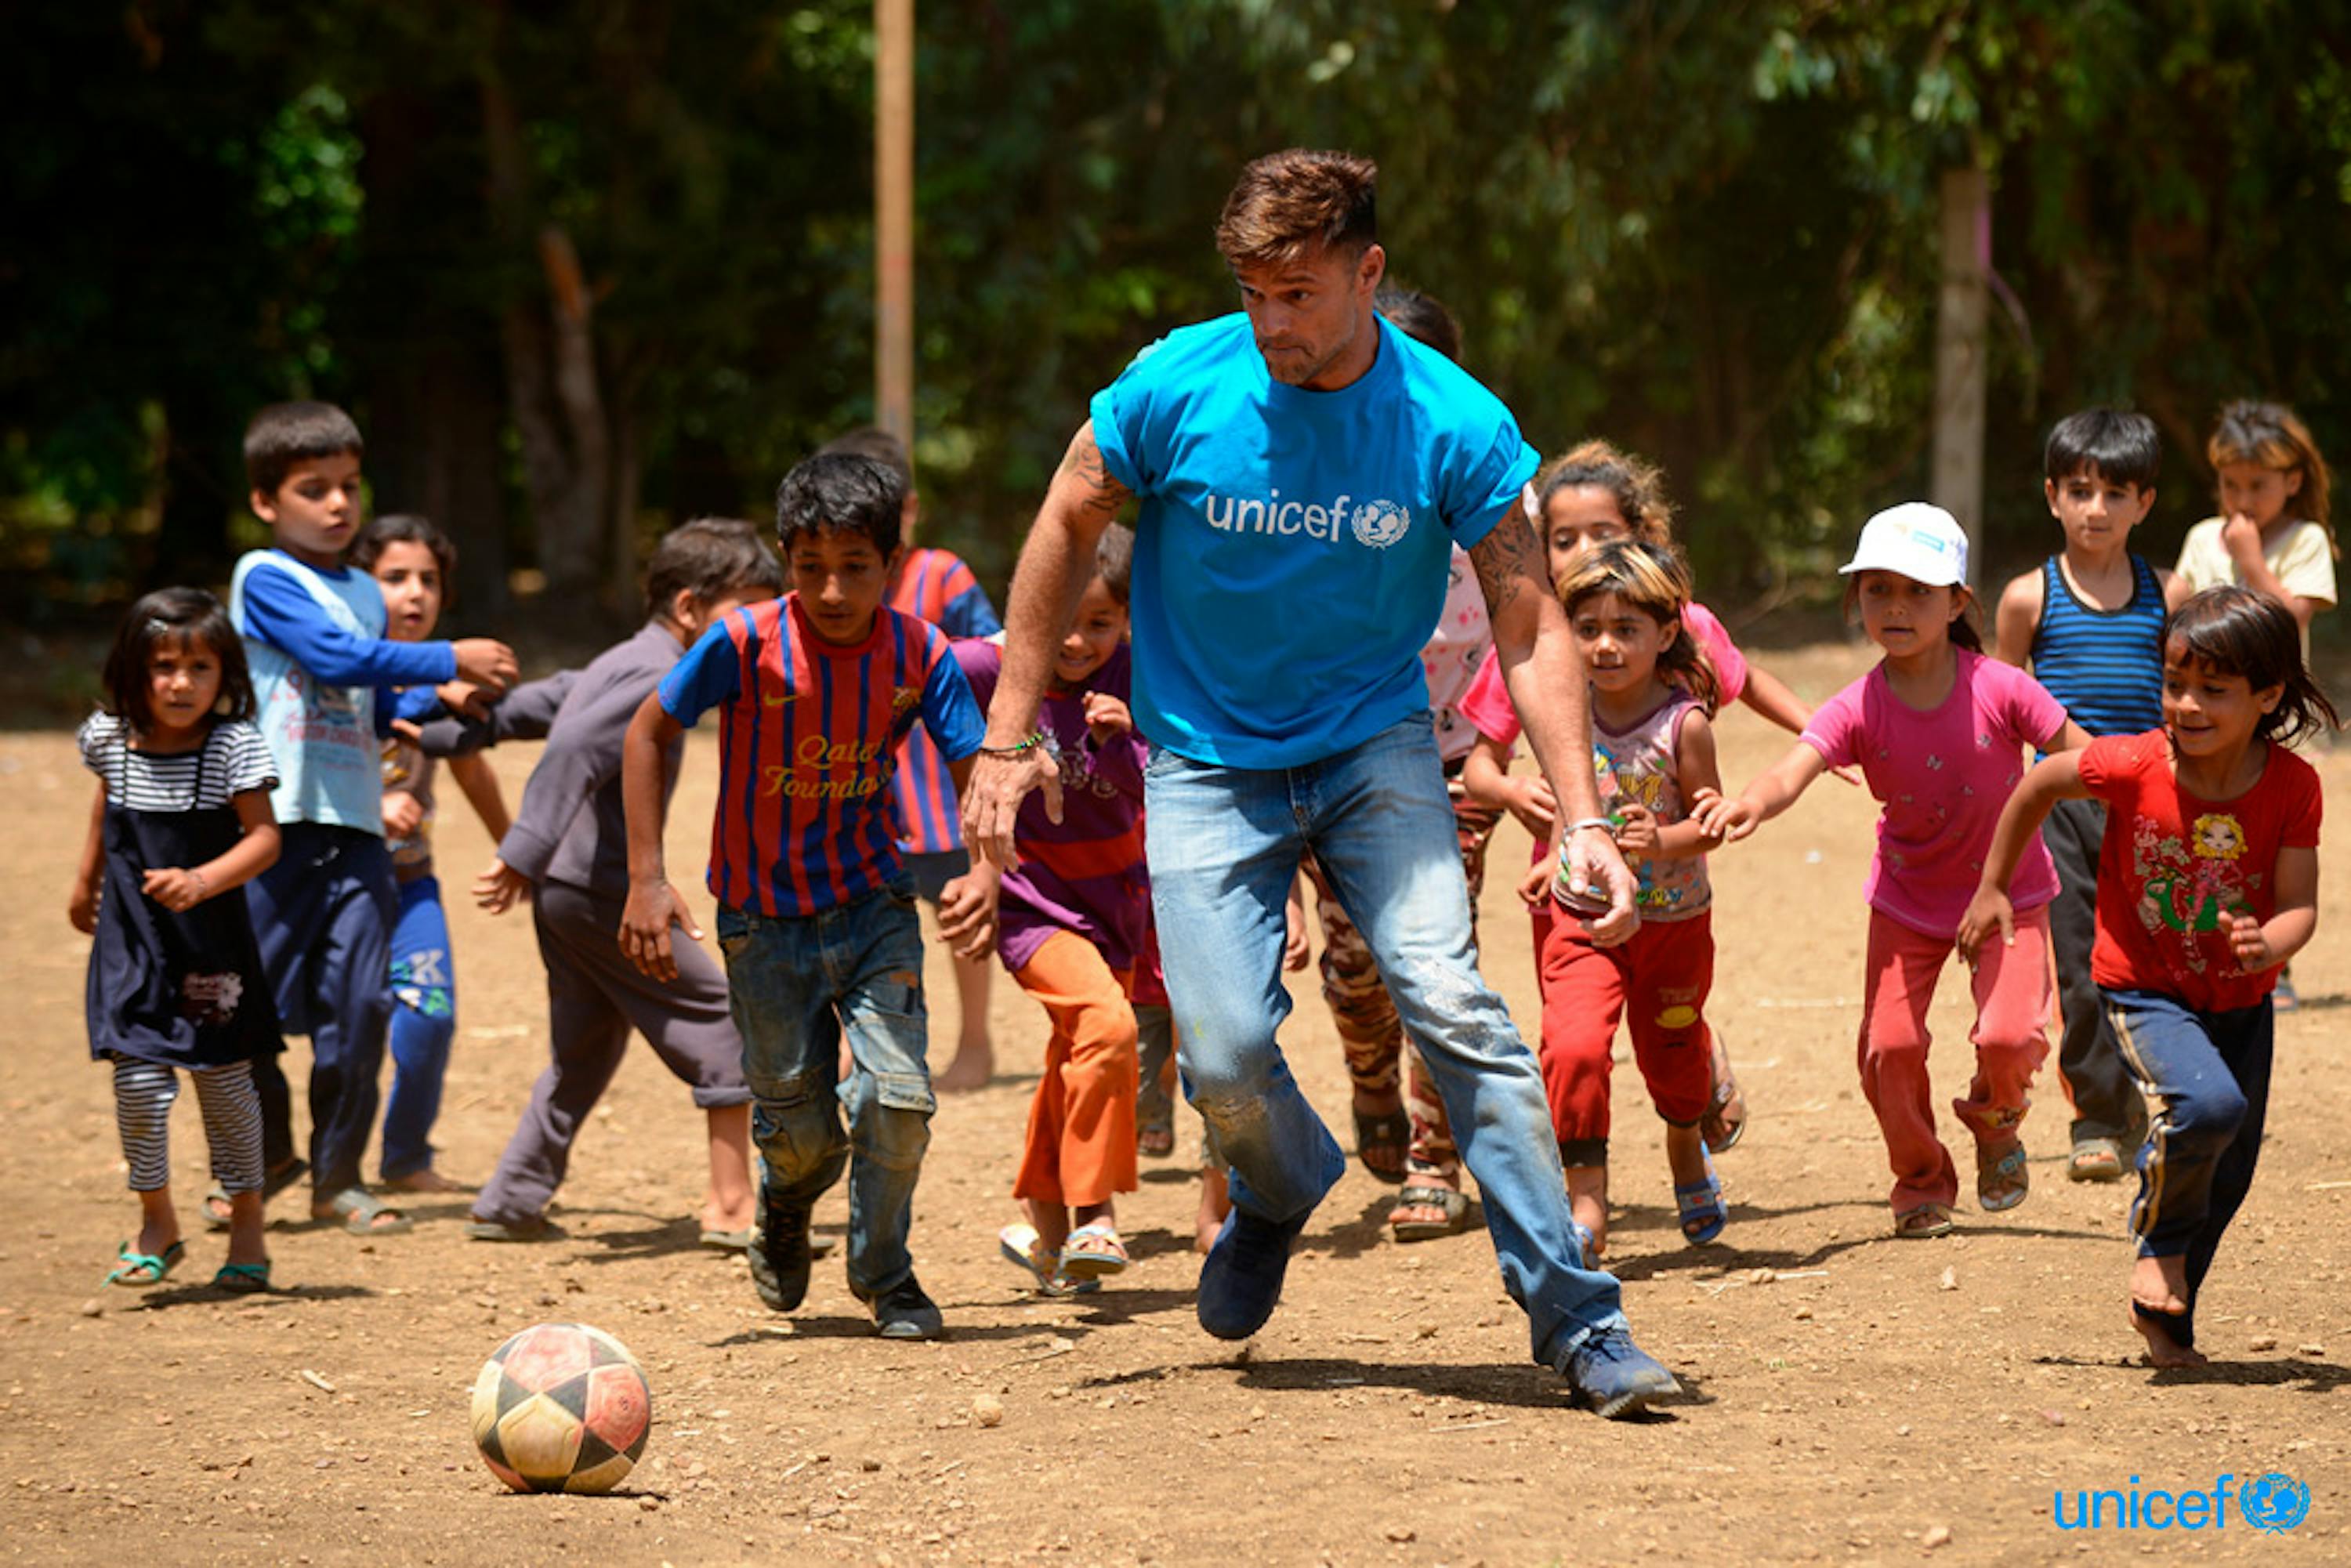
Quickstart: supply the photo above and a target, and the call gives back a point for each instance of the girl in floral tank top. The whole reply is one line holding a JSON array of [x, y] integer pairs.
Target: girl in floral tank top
[[1653, 697]]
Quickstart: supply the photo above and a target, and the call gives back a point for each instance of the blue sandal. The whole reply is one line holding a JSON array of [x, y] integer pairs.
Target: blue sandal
[[1703, 1215], [141, 1269]]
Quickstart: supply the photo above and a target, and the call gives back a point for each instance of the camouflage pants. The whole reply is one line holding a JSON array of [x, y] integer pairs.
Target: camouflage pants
[[1379, 1058]]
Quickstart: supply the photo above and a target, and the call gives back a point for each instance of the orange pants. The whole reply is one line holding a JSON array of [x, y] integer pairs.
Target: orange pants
[[1079, 1147]]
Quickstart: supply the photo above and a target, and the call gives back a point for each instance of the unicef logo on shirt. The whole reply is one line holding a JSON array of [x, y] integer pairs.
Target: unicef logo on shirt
[[1379, 524], [2275, 1503]]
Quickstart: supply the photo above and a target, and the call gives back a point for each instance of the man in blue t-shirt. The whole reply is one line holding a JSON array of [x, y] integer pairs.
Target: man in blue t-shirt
[[1304, 471]]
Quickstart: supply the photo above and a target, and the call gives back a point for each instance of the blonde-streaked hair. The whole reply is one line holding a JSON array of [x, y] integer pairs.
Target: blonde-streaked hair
[[2274, 436], [1637, 485], [1289, 204], [1653, 579]]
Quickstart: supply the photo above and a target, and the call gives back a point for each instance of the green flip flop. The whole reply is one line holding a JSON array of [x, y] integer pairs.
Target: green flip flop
[[141, 1269], [243, 1279]]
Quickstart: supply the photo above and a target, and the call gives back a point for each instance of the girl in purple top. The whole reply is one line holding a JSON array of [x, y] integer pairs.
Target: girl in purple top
[[1940, 734], [1070, 921]]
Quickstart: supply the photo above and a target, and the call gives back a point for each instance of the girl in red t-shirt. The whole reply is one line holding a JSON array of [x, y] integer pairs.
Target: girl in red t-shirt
[[2207, 884]]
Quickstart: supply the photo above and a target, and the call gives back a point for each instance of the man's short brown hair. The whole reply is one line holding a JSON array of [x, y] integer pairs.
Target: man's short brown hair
[[1288, 202]]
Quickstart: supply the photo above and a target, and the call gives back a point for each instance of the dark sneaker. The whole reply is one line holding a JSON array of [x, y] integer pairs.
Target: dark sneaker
[[780, 1253], [1615, 1376], [903, 1311], [1240, 1281]]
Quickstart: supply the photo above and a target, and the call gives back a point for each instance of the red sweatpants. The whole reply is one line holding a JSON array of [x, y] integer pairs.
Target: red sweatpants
[[1661, 976], [1079, 1147], [2012, 994]]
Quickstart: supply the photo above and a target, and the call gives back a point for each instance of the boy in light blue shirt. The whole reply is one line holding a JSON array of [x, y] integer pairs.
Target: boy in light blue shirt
[[327, 684]]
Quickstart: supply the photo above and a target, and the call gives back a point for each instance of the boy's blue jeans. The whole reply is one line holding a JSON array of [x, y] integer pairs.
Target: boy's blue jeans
[[423, 1022], [2209, 1075], [797, 985], [1224, 844]]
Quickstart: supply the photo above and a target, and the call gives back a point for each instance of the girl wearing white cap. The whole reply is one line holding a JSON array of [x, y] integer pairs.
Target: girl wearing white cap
[[1941, 734]]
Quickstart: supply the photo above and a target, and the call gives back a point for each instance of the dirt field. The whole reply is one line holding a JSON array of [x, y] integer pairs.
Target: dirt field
[[1851, 1398]]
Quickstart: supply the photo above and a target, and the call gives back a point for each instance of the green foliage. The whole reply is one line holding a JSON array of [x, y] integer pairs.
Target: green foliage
[[1708, 229]]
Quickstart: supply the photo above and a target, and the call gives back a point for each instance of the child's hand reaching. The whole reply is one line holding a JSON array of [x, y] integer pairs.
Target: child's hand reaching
[[1536, 807], [1989, 914], [82, 907], [2251, 944], [1534, 888], [1636, 834], [1728, 821], [653, 908], [500, 887], [1107, 717], [1297, 952], [460, 698], [967, 911], [404, 813], [176, 890], [485, 662]]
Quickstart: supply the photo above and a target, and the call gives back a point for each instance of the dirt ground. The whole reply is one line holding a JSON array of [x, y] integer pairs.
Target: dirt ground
[[1851, 1398]]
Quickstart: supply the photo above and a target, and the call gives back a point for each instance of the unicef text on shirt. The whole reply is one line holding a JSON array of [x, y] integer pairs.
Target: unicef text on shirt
[[1374, 524]]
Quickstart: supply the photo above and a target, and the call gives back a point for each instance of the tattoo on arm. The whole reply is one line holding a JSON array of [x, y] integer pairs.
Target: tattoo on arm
[[1083, 462], [1509, 562]]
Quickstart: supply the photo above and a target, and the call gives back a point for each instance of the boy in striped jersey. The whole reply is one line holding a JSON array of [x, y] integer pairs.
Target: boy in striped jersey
[[938, 586], [2088, 621], [816, 915]]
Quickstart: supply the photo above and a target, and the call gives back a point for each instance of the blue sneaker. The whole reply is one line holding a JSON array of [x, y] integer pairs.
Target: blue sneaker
[[1615, 1376], [1241, 1279]]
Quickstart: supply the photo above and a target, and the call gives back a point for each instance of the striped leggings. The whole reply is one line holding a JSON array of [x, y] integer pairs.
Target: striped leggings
[[144, 1092]]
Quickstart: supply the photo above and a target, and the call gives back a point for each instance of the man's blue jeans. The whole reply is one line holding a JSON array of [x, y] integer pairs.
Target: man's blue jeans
[[796, 986], [1224, 844]]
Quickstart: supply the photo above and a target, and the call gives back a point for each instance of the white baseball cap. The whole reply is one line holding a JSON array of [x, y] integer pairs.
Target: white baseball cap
[[1922, 541]]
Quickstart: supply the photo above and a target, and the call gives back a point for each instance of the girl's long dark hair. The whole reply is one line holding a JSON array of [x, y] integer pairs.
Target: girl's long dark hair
[[2233, 630], [174, 615]]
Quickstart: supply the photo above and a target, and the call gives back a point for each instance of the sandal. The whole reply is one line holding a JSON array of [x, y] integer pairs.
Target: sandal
[[1453, 1205], [1699, 1205], [534, 1228], [2096, 1159], [1724, 1122], [141, 1269], [1387, 1133], [216, 1214], [1025, 1249], [2002, 1182], [363, 1213], [1926, 1221], [1093, 1250], [1155, 1140], [243, 1279], [1587, 1244]]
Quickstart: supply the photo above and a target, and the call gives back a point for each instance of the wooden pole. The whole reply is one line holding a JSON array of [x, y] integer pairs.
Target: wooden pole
[[1960, 345], [894, 217]]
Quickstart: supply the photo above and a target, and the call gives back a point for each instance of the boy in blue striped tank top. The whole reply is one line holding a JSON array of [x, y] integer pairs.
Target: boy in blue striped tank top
[[2088, 621]]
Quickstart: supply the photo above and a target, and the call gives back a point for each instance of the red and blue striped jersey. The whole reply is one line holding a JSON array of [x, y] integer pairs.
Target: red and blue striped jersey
[[934, 585], [808, 737]]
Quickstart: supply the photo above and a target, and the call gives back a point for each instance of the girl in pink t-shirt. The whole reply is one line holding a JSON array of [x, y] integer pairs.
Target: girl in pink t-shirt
[[1941, 734]]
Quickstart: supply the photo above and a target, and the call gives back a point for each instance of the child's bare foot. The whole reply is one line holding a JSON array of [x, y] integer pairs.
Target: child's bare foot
[[427, 1180], [1587, 1202], [973, 1064], [1216, 1203], [2159, 1312]]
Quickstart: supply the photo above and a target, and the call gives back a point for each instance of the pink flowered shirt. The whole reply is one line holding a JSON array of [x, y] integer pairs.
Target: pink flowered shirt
[[1943, 777]]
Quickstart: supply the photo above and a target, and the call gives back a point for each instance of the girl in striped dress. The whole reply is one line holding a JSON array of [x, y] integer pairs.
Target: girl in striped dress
[[182, 818]]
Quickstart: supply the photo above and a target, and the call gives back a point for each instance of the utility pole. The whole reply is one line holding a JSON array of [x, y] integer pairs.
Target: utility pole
[[894, 217], [1959, 347]]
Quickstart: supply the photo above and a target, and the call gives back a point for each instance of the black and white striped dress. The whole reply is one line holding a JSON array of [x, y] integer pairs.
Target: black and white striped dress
[[183, 989]]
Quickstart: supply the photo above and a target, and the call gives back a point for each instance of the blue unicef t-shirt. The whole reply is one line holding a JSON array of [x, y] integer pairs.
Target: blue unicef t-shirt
[[1294, 551]]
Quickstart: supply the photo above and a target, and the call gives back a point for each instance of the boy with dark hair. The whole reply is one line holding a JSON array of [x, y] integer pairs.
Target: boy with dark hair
[[568, 853], [2088, 622], [325, 677], [937, 586], [816, 915]]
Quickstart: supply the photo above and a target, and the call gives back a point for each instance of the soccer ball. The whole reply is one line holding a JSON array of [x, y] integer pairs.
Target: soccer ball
[[562, 1407]]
